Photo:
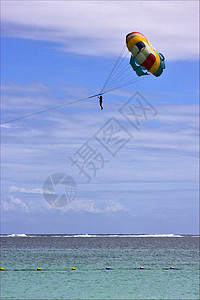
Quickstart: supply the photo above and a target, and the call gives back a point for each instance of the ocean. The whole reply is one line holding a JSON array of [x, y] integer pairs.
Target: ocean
[[105, 267]]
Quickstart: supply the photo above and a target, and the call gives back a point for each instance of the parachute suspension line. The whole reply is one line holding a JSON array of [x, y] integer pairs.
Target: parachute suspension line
[[125, 84], [121, 80], [117, 77], [114, 67], [118, 70]]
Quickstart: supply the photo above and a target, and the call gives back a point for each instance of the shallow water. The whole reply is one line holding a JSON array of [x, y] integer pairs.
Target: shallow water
[[90, 255]]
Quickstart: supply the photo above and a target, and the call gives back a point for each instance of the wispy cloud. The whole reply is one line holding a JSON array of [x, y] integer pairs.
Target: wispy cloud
[[27, 191], [168, 142], [99, 28], [33, 87], [14, 204], [92, 207], [31, 205]]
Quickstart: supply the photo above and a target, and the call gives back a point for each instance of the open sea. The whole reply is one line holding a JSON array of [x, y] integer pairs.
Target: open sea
[[90, 255]]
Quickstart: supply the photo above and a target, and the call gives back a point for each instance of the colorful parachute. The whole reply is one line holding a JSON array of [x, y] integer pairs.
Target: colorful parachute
[[145, 58]]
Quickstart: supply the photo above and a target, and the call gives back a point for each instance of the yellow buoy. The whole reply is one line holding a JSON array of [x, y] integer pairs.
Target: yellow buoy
[[39, 269], [141, 267], [73, 268], [107, 268], [171, 267], [2, 269]]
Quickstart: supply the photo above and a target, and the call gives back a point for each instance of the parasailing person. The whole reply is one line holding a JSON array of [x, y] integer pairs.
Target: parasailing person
[[101, 101]]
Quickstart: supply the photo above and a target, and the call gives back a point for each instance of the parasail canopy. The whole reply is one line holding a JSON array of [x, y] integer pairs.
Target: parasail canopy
[[145, 58]]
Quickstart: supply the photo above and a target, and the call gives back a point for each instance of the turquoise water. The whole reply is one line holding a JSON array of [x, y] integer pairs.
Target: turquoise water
[[90, 255]]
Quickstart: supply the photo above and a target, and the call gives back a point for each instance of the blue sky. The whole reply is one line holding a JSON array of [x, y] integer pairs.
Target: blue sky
[[54, 53]]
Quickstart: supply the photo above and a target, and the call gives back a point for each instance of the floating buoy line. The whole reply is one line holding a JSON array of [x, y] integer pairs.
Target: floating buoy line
[[73, 269]]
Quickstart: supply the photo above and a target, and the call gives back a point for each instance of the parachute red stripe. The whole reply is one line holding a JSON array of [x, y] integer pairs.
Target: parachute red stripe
[[148, 63]]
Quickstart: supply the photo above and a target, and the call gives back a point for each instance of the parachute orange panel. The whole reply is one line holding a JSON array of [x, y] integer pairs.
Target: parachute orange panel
[[145, 58]]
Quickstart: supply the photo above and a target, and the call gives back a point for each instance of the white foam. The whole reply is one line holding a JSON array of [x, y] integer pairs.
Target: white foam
[[17, 235], [85, 235], [158, 235], [123, 235], [170, 235]]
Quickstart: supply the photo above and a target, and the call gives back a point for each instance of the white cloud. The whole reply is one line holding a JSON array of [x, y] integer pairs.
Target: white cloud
[[15, 203], [176, 130], [28, 191], [99, 28], [91, 206], [8, 126], [87, 206], [116, 207], [77, 205], [33, 87]]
